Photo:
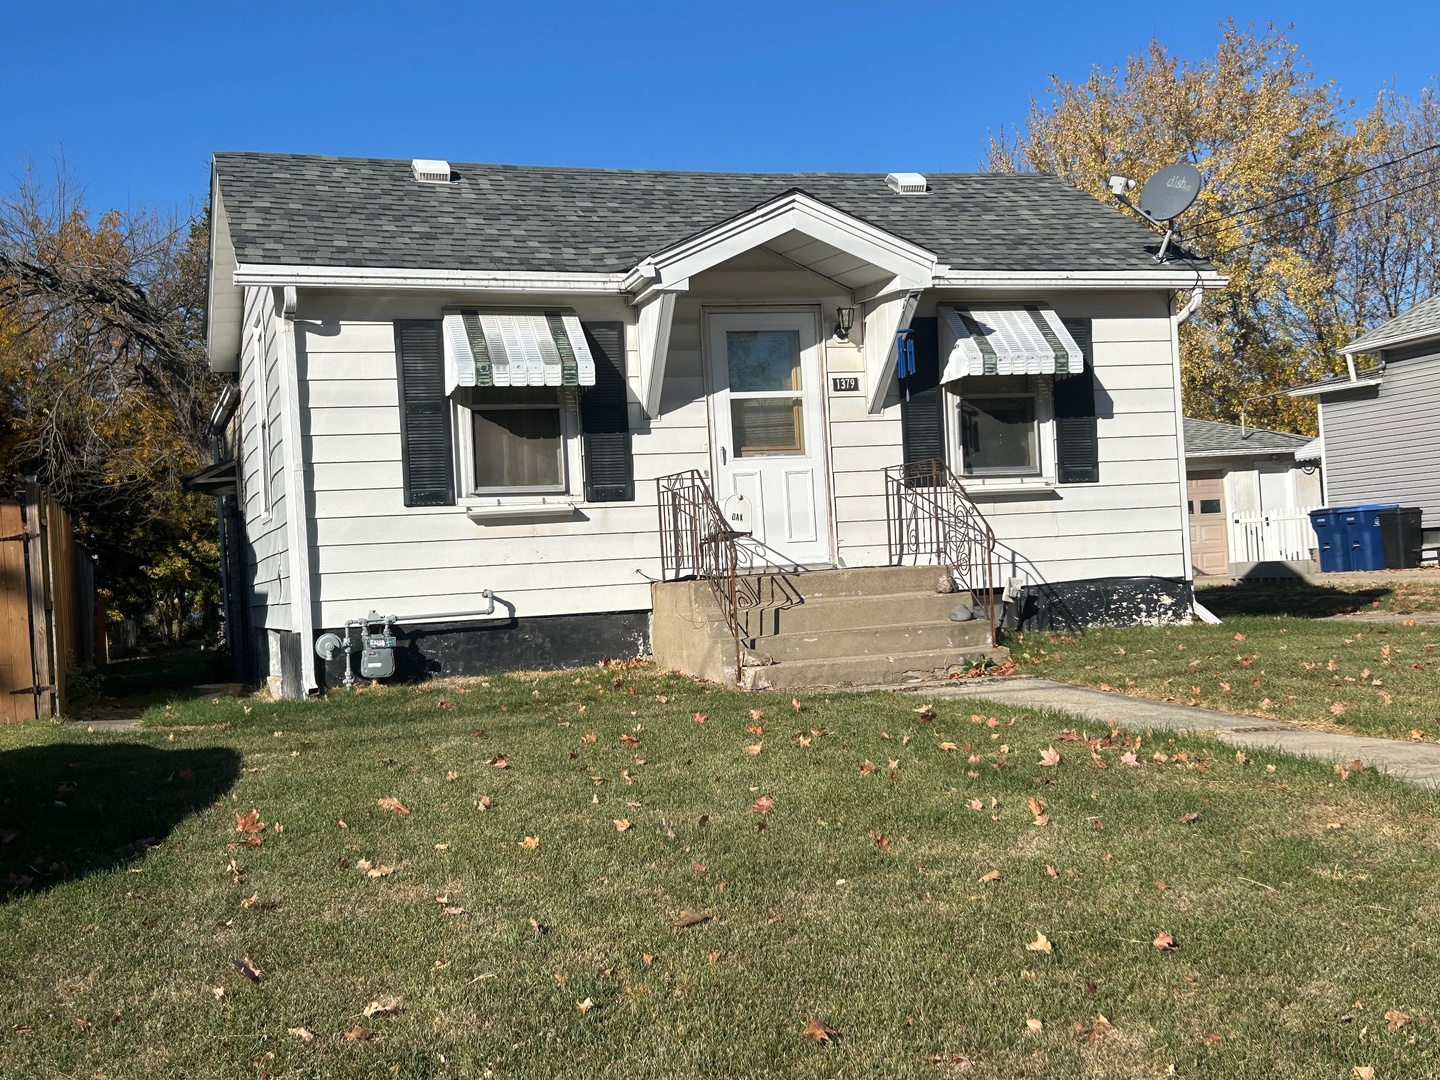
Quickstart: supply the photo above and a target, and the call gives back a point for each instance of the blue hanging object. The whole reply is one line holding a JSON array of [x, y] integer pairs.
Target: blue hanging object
[[904, 357], [904, 353]]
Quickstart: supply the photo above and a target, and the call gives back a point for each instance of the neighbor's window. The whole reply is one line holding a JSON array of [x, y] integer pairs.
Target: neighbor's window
[[998, 430], [517, 436]]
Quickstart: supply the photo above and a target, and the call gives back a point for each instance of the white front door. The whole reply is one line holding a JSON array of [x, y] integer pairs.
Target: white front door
[[769, 431]]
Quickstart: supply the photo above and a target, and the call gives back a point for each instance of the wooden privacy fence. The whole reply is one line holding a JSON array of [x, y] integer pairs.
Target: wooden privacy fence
[[47, 607]]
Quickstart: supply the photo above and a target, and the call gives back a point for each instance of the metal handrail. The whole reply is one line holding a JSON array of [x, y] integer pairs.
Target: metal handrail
[[929, 516], [697, 542]]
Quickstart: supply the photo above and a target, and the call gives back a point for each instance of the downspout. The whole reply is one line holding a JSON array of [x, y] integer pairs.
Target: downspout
[[1192, 305]]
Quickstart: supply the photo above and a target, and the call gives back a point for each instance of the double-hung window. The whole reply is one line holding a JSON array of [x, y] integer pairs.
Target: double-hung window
[[999, 426], [517, 438]]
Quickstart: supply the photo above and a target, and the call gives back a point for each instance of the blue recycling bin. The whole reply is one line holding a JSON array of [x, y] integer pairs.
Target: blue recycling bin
[[1332, 543], [1351, 537]]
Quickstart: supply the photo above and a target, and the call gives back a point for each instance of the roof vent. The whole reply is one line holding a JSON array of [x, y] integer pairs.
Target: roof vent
[[431, 171], [906, 183]]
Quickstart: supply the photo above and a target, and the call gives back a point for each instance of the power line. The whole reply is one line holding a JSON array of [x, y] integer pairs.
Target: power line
[[1232, 226], [1340, 212], [1200, 227]]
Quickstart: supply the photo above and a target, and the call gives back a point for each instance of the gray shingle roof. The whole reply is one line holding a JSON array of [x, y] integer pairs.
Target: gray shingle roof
[[1421, 321], [1212, 437], [367, 212]]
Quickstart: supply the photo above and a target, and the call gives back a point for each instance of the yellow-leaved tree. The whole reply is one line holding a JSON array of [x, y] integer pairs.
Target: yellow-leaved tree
[[1288, 179]]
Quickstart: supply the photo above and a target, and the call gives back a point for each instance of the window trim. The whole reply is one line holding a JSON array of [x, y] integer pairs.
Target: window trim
[[262, 416], [463, 407]]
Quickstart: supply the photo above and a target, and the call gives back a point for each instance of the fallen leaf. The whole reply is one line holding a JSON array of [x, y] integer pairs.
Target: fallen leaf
[[530, 843], [383, 1006], [754, 748], [452, 775], [1049, 756], [756, 714], [1186, 819], [795, 704], [395, 805], [379, 871], [622, 824], [484, 803], [218, 991], [588, 738], [1129, 758], [249, 822], [540, 928], [975, 804], [585, 1006], [358, 1034], [881, 841], [1363, 1072], [699, 718], [713, 957], [499, 761], [755, 729], [304, 1034], [691, 918], [247, 968], [1040, 944], [340, 823], [1164, 942], [993, 875], [927, 713], [820, 1032], [762, 805], [452, 910], [867, 767], [1033, 1025], [1050, 870], [1395, 1020], [947, 746], [629, 740]]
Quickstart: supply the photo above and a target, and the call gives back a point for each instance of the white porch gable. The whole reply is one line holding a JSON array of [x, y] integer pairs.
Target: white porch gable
[[873, 264]]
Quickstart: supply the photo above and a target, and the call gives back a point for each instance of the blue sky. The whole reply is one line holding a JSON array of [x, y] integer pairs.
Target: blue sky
[[137, 95]]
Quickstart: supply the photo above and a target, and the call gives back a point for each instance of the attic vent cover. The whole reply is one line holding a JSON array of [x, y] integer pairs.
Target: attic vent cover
[[429, 171], [906, 183]]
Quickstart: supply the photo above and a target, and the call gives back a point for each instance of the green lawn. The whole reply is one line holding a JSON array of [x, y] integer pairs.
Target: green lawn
[[1304, 907], [1379, 679]]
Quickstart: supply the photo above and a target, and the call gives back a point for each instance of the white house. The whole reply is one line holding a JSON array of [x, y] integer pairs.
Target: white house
[[458, 386], [1250, 496]]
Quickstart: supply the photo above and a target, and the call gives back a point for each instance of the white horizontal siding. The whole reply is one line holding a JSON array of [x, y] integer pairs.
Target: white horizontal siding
[[266, 561]]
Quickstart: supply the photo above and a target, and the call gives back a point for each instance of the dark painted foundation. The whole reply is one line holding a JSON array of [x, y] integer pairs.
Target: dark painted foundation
[[546, 643], [1075, 605]]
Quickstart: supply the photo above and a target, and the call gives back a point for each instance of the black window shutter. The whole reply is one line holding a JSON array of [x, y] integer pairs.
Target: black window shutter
[[922, 429], [605, 418], [1077, 441], [425, 455]]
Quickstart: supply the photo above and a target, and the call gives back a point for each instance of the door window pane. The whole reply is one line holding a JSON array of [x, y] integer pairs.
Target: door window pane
[[518, 440], [999, 434], [1209, 506], [768, 425], [763, 360]]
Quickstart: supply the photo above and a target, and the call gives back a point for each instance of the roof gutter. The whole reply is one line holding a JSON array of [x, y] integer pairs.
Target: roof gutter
[[1077, 279], [366, 277]]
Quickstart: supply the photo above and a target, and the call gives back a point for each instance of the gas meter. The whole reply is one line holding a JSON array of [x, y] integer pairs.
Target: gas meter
[[377, 652]]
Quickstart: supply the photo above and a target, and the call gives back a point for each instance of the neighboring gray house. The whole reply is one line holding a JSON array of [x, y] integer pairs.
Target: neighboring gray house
[[512, 404], [1248, 498], [1380, 421]]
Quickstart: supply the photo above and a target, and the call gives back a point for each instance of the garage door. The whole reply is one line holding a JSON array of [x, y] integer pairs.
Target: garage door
[[1209, 546]]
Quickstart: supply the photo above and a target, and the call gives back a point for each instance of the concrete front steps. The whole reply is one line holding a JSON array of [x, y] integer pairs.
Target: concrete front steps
[[847, 627]]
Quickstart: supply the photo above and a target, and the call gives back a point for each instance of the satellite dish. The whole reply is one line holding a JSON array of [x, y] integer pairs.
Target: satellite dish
[[1170, 192]]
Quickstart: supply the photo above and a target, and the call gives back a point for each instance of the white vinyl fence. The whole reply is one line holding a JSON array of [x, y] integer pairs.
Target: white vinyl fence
[[1271, 536]]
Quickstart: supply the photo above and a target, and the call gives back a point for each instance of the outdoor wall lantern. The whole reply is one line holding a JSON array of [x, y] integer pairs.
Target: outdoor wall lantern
[[844, 323]]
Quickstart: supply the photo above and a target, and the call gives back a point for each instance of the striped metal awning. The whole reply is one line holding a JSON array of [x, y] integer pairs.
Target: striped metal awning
[[494, 347], [1018, 339]]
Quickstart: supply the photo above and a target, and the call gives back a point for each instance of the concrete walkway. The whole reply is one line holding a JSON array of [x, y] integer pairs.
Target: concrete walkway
[[1417, 763]]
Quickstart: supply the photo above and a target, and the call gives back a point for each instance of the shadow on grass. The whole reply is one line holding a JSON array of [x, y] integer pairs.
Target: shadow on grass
[[68, 810], [1298, 600], [154, 679]]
